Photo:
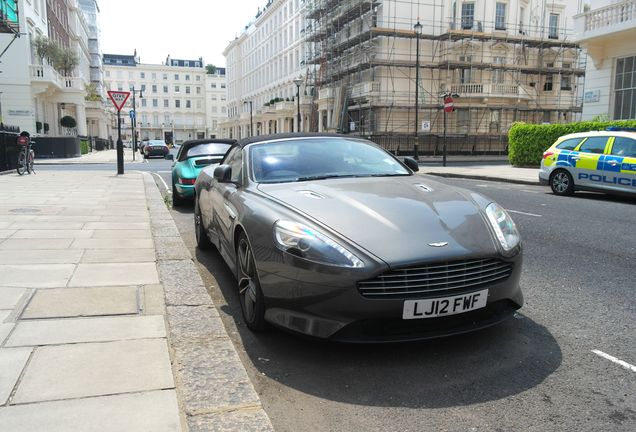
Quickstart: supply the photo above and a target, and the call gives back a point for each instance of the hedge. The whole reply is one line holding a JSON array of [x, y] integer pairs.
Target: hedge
[[527, 142], [84, 146]]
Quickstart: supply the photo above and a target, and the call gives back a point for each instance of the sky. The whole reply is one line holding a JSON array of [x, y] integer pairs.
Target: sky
[[188, 30]]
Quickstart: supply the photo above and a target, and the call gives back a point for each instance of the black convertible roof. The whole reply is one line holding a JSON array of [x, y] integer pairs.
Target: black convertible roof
[[193, 143], [262, 138]]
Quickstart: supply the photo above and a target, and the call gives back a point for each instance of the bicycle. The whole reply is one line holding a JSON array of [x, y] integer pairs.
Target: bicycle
[[26, 155]]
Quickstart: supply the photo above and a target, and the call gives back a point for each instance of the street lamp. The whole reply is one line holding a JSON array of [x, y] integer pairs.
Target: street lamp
[[298, 81], [251, 117], [133, 120], [418, 32]]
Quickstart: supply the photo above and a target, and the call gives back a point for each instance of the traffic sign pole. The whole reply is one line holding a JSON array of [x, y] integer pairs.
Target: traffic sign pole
[[119, 100]]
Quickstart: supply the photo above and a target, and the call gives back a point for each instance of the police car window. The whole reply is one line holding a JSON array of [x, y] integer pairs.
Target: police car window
[[569, 144], [625, 147], [594, 145]]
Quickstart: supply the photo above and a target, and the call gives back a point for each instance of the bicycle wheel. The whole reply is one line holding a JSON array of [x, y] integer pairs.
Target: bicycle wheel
[[30, 163], [22, 164]]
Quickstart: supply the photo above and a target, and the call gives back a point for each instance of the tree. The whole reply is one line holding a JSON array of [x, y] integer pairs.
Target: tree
[[91, 93], [210, 69], [66, 61], [46, 49], [68, 122]]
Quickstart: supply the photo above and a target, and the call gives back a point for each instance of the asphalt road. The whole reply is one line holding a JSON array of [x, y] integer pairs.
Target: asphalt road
[[536, 372]]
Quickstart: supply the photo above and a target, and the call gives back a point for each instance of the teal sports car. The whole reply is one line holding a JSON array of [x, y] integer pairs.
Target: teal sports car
[[191, 158]]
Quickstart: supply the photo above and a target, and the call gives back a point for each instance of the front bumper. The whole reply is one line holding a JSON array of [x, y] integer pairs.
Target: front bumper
[[337, 311]]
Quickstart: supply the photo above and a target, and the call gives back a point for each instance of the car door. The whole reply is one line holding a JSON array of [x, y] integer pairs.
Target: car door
[[619, 166], [588, 171], [224, 212]]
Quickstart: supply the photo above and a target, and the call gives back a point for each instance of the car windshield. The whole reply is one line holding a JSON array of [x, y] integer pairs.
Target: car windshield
[[320, 158], [207, 149], [156, 143]]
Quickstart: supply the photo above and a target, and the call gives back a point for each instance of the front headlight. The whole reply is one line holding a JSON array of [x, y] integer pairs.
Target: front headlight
[[505, 228], [307, 243]]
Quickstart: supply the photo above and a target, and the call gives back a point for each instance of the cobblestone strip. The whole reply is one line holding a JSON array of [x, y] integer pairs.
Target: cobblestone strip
[[214, 390]]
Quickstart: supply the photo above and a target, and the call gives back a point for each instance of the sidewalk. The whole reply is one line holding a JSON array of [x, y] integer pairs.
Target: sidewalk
[[96, 157], [505, 173], [104, 321]]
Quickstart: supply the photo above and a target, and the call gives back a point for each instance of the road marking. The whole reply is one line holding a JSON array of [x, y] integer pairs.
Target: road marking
[[528, 191], [523, 213], [164, 182], [615, 360], [164, 172]]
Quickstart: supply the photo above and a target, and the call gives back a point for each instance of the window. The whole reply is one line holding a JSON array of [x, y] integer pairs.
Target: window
[[500, 16], [165, 89], [187, 77], [566, 82], [155, 103], [198, 77], [464, 76], [176, 89], [198, 90], [176, 77], [547, 85], [569, 144], [235, 161], [625, 147], [625, 89], [553, 30], [143, 87], [144, 103], [498, 74], [187, 89], [166, 103], [188, 103], [177, 103], [166, 119], [154, 88], [594, 145], [130, 75], [142, 75], [165, 77], [213, 85], [154, 76], [107, 74], [222, 85], [199, 104], [468, 15]]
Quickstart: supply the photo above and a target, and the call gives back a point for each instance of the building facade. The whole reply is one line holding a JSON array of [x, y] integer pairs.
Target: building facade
[[262, 64], [173, 102], [607, 31], [215, 101]]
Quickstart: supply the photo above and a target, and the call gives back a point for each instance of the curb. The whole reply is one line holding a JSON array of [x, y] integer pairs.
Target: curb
[[213, 388], [488, 178]]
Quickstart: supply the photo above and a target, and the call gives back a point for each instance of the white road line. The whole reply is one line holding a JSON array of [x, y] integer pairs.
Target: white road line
[[615, 360], [163, 181], [164, 172], [523, 213], [529, 191]]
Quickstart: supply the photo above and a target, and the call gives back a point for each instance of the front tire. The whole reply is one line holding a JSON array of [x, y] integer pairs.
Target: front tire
[[203, 241], [249, 287], [562, 183]]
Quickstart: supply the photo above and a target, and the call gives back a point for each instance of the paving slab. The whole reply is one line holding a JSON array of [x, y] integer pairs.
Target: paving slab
[[154, 302], [58, 225], [117, 225], [4, 225], [12, 361], [113, 274], [5, 329], [110, 244], [35, 244], [118, 255], [65, 219], [6, 233], [123, 234], [95, 369], [52, 234], [4, 314], [36, 275], [155, 411], [82, 302], [41, 257], [124, 220], [76, 330], [10, 297]]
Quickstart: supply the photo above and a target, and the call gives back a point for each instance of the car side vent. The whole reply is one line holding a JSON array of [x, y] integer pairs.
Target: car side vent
[[424, 187], [312, 194]]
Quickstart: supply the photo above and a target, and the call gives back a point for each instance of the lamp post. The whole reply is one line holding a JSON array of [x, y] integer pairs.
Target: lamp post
[[251, 117], [298, 81], [133, 120], [418, 32]]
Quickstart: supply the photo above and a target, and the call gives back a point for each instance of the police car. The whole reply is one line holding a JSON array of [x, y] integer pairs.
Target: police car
[[603, 161]]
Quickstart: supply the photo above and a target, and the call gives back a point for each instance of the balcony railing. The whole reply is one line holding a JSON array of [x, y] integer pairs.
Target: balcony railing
[[488, 90], [46, 74], [365, 89], [610, 15]]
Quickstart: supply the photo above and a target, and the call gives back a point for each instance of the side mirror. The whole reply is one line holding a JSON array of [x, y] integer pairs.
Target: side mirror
[[412, 164], [223, 173], [169, 156]]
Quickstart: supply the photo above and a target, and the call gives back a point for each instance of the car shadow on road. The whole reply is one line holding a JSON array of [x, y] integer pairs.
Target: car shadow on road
[[492, 364]]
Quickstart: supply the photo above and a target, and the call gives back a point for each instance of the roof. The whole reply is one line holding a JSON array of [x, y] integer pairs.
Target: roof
[[275, 137], [625, 134]]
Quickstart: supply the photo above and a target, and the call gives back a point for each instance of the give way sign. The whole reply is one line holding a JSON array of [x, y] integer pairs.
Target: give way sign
[[118, 98]]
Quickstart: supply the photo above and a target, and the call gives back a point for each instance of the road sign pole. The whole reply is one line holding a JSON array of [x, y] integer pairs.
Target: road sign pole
[[120, 146], [444, 148]]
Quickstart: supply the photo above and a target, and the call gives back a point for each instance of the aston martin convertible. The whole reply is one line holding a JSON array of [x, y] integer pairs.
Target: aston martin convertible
[[333, 237]]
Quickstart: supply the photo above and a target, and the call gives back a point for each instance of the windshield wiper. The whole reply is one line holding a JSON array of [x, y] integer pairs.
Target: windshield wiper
[[323, 177]]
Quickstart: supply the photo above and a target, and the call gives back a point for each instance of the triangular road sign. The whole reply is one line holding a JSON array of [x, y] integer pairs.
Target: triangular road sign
[[118, 98]]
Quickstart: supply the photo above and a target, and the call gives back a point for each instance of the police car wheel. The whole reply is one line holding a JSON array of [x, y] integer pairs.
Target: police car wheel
[[562, 183]]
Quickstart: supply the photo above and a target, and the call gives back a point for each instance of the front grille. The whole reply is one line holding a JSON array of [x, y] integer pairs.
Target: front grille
[[436, 280]]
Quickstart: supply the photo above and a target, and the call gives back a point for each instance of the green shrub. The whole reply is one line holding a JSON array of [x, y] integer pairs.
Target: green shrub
[[68, 122], [84, 146], [527, 142]]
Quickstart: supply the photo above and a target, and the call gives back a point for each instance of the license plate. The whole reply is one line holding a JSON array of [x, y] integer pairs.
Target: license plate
[[443, 306]]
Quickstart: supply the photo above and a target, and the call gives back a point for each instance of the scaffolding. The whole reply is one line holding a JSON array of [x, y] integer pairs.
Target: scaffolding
[[360, 61]]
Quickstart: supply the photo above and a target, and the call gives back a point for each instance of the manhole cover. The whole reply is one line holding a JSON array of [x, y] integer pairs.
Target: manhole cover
[[24, 210]]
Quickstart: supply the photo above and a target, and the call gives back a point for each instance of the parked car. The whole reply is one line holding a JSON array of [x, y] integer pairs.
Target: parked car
[[155, 148], [602, 161], [191, 158], [141, 145], [334, 237]]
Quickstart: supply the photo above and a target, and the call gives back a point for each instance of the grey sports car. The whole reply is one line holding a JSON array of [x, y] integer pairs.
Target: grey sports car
[[333, 237]]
